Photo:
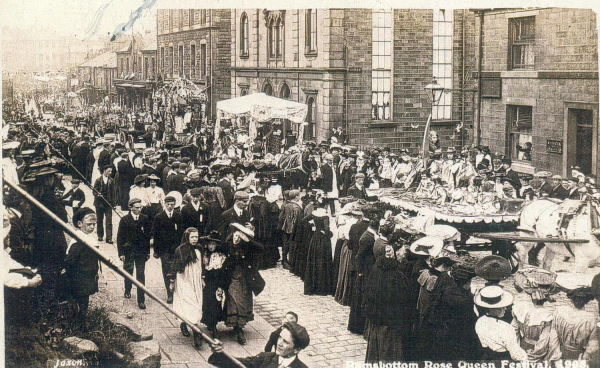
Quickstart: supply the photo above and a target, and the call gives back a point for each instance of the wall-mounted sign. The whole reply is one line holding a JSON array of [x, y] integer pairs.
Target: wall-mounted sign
[[355, 69], [554, 146], [491, 87]]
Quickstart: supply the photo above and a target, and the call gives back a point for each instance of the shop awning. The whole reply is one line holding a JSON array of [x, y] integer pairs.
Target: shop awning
[[263, 108]]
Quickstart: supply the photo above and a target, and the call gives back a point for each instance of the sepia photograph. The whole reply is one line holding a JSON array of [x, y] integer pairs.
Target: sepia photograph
[[289, 185]]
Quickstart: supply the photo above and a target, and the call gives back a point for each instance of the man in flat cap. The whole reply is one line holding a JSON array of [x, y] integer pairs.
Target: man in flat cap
[[292, 339], [167, 230], [237, 214], [133, 245], [290, 217], [103, 201]]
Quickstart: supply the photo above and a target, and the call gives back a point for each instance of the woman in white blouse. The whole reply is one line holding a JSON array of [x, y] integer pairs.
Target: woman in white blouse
[[498, 338], [155, 196]]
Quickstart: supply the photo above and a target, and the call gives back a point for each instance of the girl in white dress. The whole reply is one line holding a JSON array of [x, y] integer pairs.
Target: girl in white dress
[[186, 282]]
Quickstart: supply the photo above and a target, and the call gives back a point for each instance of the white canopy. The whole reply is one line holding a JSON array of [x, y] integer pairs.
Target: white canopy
[[262, 108]]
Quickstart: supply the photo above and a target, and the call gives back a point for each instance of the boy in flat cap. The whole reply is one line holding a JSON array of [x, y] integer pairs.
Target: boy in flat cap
[[237, 214]]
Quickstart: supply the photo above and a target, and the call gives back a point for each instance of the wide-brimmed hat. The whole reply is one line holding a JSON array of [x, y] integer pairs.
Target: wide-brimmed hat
[[319, 212], [153, 177], [427, 246], [493, 297], [493, 268], [244, 230], [572, 281], [444, 232], [139, 179]]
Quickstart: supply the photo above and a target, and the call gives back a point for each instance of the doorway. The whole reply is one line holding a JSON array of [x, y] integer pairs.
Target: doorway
[[581, 129]]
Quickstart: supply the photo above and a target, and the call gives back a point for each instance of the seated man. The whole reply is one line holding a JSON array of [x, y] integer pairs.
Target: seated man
[[292, 339], [358, 191]]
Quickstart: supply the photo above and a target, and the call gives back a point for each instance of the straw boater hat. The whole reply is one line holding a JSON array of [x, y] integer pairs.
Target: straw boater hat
[[244, 230], [493, 297], [427, 246]]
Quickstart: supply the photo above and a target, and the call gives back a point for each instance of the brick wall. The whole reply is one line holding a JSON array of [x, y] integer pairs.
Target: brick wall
[[565, 76], [218, 55], [413, 59]]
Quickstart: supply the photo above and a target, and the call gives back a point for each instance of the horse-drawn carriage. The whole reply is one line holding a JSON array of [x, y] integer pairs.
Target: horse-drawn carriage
[[565, 228]]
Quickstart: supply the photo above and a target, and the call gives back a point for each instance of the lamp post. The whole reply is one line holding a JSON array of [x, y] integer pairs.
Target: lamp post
[[434, 93]]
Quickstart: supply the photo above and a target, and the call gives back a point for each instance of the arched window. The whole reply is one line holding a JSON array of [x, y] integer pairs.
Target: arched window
[[243, 92], [244, 32], [268, 89], [311, 30], [310, 130], [271, 35], [284, 92]]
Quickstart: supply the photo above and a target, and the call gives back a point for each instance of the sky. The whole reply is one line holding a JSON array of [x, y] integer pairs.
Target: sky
[[86, 19]]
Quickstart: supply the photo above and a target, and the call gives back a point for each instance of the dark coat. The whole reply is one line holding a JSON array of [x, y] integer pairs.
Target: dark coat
[[272, 342], [133, 239], [360, 193], [213, 216], [262, 360], [72, 196], [82, 270], [365, 259], [108, 191], [229, 217], [512, 175], [559, 192], [167, 232], [103, 159], [191, 218], [546, 188], [190, 151], [327, 178], [356, 231]]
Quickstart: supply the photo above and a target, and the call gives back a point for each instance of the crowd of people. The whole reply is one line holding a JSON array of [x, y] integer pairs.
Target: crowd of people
[[216, 216]]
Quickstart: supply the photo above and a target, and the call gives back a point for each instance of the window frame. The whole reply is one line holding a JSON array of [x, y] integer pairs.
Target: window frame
[[382, 75], [193, 61], [514, 133], [525, 43], [244, 35], [310, 132], [310, 47], [443, 62], [203, 61], [271, 38]]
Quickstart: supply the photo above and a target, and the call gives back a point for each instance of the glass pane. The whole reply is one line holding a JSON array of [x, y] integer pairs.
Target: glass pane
[[448, 112], [388, 34], [448, 43], [448, 71], [436, 28], [448, 28], [386, 115]]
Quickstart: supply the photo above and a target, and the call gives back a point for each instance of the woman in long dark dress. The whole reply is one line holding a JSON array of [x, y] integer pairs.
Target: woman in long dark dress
[[215, 283], [242, 275], [260, 211], [303, 237], [318, 278], [387, 309]]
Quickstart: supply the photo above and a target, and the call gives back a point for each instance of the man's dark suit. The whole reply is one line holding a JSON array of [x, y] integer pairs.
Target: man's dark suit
[[191, 218], [546, 188], [167, 233], [124, 182], [262, 360], [133, 243], [559, 192], [327, 181], [104, 209], [103, 159], [359, 193], [229, 217], [190, 151]]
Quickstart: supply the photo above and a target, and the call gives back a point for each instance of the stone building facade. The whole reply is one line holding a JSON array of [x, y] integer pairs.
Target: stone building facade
[[540, 88], [362, 70], [195, 44]]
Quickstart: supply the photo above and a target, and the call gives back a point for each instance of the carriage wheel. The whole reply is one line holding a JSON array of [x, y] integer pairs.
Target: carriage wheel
[[513, 258]]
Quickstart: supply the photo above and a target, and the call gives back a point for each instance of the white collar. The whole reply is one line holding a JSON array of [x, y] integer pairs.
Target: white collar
[[238, 210], [286, 361], [196, 206]]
